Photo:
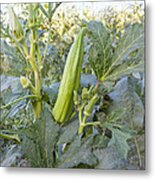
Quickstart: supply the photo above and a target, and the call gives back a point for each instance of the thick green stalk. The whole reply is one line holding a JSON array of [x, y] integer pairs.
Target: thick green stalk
[[17, 34], [37, 105]]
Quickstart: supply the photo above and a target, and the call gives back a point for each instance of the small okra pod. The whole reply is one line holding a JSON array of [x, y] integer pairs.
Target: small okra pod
[[90, 106], [84, 93], [76, 98]]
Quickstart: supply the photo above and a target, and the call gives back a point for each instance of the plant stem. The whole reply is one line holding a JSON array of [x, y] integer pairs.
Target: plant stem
[[138, 152], [92, 123], [81, 128], [36, 66], [73, 114], [17, 100], [80, 116]]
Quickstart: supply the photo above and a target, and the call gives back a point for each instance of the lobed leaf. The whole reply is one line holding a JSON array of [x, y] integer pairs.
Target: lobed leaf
[[128, 100], [39, 141]]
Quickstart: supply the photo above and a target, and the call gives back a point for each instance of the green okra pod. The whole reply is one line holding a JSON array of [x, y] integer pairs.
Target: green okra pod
[[70, 80], [90, 106]]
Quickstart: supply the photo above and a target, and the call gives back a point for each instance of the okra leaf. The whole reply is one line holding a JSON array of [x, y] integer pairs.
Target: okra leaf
[[111, 59], [128, 56], [10, 82], [100, 52], [132, 40], [125, 69], [68, 132], [78, 154], [125, 95], [108, 159], [119, 142], [50, 93], [39, 141], [88, 79], [11, 90]]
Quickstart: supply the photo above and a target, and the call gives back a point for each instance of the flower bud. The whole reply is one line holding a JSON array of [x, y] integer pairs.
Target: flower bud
[[25, 82], [90, 92], [84, 93], [76, 98], [32, 14], [15, 25]]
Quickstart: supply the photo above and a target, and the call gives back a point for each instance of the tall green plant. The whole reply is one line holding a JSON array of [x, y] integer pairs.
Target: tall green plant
[[17, 34]]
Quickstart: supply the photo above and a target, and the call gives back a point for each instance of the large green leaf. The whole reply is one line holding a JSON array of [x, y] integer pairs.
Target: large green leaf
[[125, 69], [100, 52], [132, 40], [10, 82], [110, 60], [50, 93], [39, 141], [119, 142], [109, 159], [78, 154], [129, 102], [68, 132], [88, 79], [128, 56]]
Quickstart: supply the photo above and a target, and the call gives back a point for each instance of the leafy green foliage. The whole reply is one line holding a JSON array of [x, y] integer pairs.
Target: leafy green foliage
[[39, 141], [68, 132], [78, 153], [9, 135], [129, 54], [126, 122], [13, 62], [119, 142], [110, 59], [129, 102], [101, 50], [11, 156], [113, 66], [137, 145], [11, 90], [109, 159]]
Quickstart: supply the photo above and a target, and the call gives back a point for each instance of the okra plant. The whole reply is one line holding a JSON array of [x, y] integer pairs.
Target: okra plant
[[93, 113], [30, 52]]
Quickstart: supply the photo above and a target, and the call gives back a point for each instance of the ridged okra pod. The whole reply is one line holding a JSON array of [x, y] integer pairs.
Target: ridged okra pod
[[70, 80]]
